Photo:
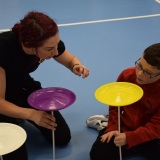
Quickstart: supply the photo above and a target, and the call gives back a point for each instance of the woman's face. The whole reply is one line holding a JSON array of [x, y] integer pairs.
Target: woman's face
[[146, 73], [49, 48]]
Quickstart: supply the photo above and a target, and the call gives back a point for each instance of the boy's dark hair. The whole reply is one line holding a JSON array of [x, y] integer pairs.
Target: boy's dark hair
[[152, 55]]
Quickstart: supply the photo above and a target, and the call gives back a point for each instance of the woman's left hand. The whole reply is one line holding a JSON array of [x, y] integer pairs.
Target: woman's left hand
[[80, 70]]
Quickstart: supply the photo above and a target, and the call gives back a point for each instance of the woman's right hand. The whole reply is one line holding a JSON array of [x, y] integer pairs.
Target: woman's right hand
[[44, 119]]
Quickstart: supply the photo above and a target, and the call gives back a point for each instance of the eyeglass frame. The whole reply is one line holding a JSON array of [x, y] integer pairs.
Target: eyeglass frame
[[139, 67]]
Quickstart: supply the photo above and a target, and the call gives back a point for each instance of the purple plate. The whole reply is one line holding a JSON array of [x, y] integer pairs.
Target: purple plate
[[51, 99]]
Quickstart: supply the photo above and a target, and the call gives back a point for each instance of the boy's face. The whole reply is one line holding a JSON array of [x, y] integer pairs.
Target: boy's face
[[145, 72]]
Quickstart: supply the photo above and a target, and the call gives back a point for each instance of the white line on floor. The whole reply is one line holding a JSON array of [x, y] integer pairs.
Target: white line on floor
[[101, 21]]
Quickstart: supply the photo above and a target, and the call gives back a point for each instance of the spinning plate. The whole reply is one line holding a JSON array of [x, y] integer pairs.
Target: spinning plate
[[11, 137], [119, 93], [51, 99]]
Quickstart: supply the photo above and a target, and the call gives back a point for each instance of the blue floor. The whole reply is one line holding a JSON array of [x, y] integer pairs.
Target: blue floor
[[108, 36]]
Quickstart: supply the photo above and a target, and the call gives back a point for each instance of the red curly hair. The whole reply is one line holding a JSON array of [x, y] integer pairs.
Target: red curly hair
[[35, 28]]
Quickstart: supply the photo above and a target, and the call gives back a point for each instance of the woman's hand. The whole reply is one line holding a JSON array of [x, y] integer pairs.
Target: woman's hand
[[73, 63], [44, 119], [80, 70]]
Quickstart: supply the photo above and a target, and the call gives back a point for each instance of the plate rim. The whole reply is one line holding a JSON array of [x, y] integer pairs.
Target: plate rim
[[128, 83], [50, 88], [15, 127]]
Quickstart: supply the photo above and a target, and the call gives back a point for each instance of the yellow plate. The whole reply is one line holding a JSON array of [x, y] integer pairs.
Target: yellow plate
[[119, 93]]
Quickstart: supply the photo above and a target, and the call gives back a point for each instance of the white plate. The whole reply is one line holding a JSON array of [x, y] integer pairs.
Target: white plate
[[11, 137]]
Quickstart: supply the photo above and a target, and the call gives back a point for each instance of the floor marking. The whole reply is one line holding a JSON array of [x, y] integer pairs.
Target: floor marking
[[108, 20], [4, 30], [101, 21]]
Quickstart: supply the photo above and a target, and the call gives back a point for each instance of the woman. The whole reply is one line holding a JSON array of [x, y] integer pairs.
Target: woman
[[30, 42]]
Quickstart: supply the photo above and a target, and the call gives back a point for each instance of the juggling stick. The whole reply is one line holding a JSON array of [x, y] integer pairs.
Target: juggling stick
[[118, 94], [52, 99]]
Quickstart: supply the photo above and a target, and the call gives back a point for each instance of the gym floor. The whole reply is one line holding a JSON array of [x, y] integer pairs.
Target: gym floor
[[108, 36]]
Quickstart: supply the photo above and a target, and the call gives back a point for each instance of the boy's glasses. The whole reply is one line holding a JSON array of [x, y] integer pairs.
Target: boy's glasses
[[146, 73]]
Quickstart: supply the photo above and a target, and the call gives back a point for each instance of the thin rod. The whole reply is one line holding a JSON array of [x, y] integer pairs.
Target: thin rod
[[53, 140], [119, 130]]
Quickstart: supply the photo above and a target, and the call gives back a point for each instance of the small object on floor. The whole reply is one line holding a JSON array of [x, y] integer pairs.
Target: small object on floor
[[97, 121]]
